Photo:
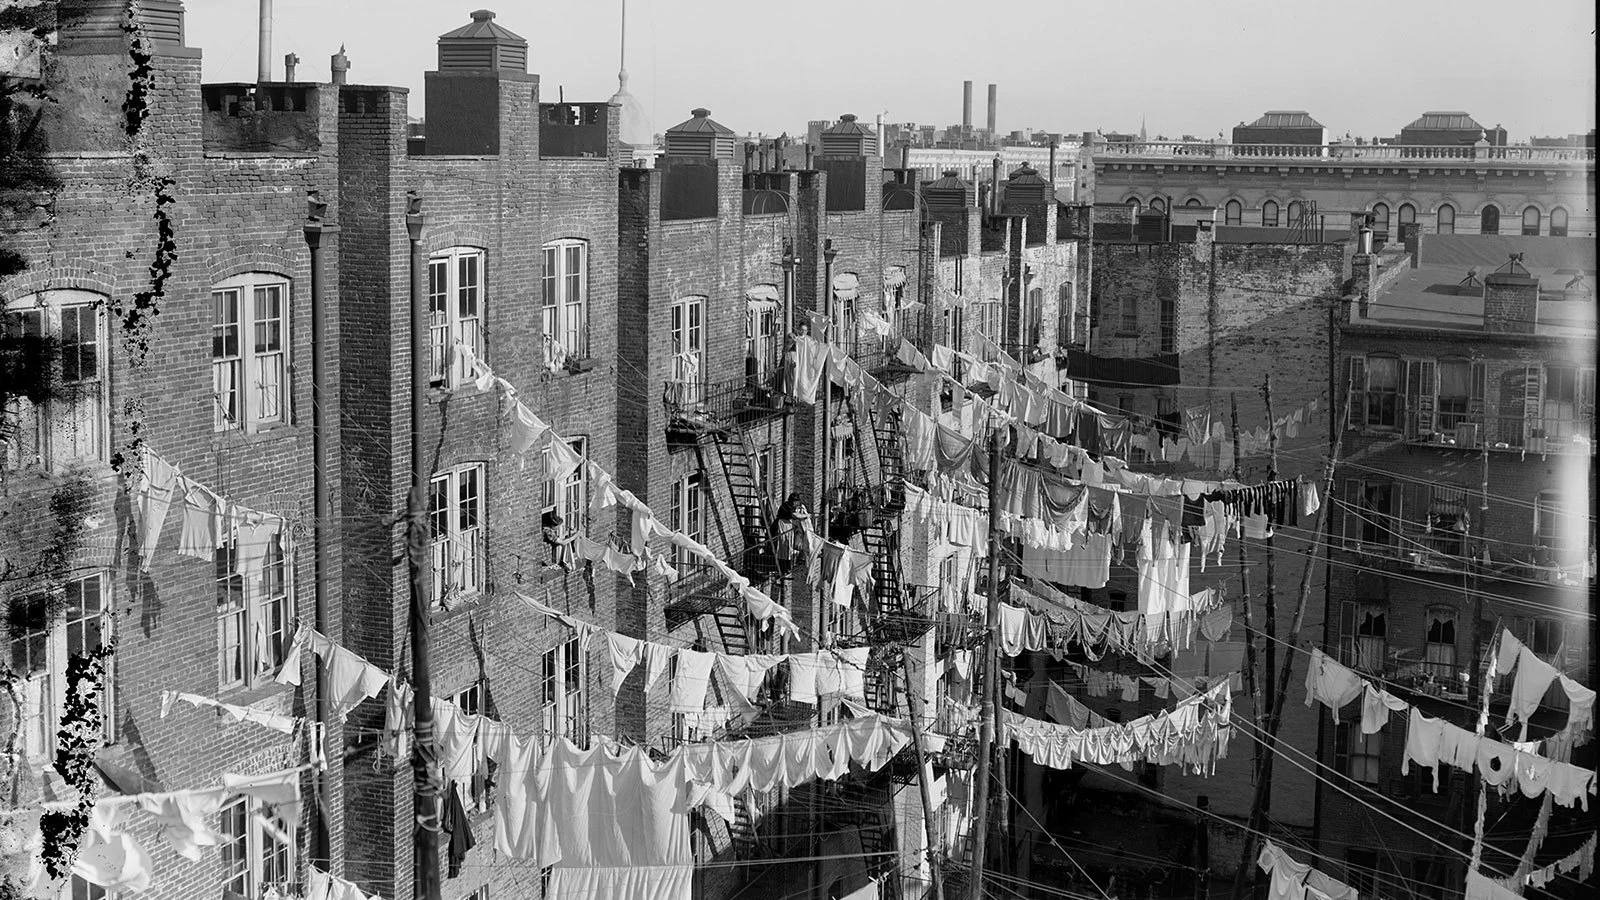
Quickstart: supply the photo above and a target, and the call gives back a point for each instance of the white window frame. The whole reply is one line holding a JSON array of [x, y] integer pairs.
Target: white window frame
[[253, 635], [570, 498], [564, 693], [256, 846], [1363, 652], [1439, 657], [564, 295], [763, 337], [688, 516], [38, 654], [250, 362], [457, 501], [474, 701], [1363, 754], [686, 331], [457, 280], [63, 430]]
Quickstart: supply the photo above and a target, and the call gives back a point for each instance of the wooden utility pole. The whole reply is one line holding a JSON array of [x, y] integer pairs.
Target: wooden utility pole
[[426, 777], [1258, 809], [991, 675], [1251, 683], [929, 823], [1271, 624]]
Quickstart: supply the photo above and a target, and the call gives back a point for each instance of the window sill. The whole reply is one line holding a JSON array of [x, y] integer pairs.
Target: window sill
[[437, 612], [258, 693], [93, 468], [265, 434]]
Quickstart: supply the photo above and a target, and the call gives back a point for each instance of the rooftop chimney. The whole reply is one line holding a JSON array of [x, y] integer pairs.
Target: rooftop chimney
[[993, 96], [264, 43], [1510, 299], [339, 64], [966, 106]]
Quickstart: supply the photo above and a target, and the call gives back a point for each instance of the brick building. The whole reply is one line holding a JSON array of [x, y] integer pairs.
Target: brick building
[[1470, 378], [171, 287]]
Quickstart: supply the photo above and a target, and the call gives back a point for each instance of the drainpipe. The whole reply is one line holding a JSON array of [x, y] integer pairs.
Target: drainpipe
[[994, 189], [315, 229], [788, 286], [824, 510], [426, 776]]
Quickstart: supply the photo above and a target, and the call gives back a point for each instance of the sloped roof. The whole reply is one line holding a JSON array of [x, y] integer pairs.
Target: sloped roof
[[483, 27], [1286, 118], [847, 124], [1446, 120], [1025, 174], [700, 123]]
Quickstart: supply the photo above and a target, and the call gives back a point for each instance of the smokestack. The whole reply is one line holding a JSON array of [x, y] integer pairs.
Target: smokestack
[[290, 60], [993, 94], [264, 45], [339, 64], [966, 106]]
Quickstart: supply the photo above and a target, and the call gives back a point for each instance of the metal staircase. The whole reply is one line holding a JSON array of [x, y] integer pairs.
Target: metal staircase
[[752, 507]]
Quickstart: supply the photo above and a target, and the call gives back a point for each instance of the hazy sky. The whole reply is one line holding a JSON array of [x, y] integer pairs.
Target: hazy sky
[[1183, 65]]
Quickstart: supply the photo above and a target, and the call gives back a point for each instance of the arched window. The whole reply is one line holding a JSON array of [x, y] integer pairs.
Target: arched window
[[1530, 221], [1233, 213], [1380, 220], [249, 350], [1193, 203], [1446, 219], [61, 417], [1269, 214], [1558, 222], [1489, 220], [1296, 210], [1158, 205], [1408, 214], [1134, 204]]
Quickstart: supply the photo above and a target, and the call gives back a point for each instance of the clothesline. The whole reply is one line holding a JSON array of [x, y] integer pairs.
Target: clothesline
[[527, 430], [209, 521], [1581, 859], [1194, 734], [1430, 741], [1293, 880]]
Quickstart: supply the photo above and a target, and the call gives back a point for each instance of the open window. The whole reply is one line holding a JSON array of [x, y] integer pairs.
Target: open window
[[59, 417]]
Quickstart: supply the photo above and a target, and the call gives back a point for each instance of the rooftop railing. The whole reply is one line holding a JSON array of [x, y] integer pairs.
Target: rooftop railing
[[1381, 153]]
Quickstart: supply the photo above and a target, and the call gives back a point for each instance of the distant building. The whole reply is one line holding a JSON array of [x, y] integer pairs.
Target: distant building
[[1280, 126]]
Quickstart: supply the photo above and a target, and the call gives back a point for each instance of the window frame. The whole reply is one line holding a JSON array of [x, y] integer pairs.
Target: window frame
[[1358, 756], [569, 499], [763, 345], [1064, 310], [1406, 214], [1533, 227], [564, 295], [1559, 222], [1445, 219], [474, 701], [256, 404], [55, 418], [1233, 213], [39, 648], [1366, 527], [460, 506], [687, 514], [1293, 213], [1439, 656], [238, 616], [246, 824], [1386, 415], [1269, 214], [1380, 219], [448, 323], [686, 337], [563, 705], [1363, 635], [1489, 219]]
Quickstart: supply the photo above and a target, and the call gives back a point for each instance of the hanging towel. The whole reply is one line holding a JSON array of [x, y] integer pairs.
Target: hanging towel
[[690, 681]]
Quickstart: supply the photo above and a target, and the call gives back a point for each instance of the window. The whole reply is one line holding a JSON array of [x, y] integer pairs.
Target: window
[[568, 500], [688, 332], [474, 701], [1233, 213], [1489, 220], [1530, 221], [40, 649], [1439, 651], [1169, 325], [1296, 213], [1544, 637], [1460, 394], [1192, 203], [1133, 203], [1158, 205], [1380, 220], [1129, 323], [1562, 401], [455, 311], [1371, 514], [249, 362], [1169, 420], [1269, 214], [455, 519], [1408, 214], [1447, 520], [562, 695], [1446, 219], [991, 316], [60, 335], [565, 296], [1558, 528], [1361, 871], [763, 342], [252, 620], [1383, 392], [1033, 322], [1357, 756], [688, 516], [1558, 222], [1065, 303], [1363, 636], [257, 848], [79, 889]]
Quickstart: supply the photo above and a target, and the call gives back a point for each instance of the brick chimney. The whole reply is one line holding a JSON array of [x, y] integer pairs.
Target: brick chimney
[[1028, 194], [850, 159], [1510, 299]]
